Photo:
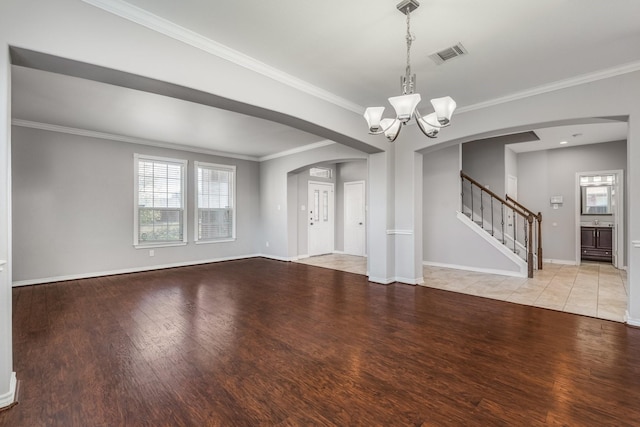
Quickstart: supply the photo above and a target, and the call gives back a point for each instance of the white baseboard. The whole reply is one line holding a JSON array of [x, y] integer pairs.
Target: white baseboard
[[279, 258], [299, 257], [403, 280], [476, 269], [630, 321], [386, 281], [559, 261], [129, 270], [407, 281], [9, 397]]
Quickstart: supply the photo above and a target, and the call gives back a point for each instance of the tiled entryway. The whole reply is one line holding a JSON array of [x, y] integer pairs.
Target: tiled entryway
[[349, 263], [592, 289]]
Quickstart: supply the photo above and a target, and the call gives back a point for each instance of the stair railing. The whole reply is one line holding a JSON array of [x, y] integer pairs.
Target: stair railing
[[497, 202], [537, 226]]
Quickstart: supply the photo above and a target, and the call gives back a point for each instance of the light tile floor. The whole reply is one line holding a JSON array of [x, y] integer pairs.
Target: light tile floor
[[349, 263], [591, 289]]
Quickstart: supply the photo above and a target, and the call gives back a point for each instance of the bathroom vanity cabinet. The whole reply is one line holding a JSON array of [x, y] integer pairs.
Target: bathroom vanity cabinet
[[596, 243]]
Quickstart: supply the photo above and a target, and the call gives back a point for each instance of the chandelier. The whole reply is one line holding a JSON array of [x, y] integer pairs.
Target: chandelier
[[406, 105]]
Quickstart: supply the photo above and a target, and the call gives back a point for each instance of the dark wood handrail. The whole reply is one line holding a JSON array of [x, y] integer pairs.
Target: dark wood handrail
[[495, 196], [537, 216], [518, 209]]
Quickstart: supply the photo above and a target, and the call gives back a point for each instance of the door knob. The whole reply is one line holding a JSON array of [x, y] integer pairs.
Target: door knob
[[359, 223]]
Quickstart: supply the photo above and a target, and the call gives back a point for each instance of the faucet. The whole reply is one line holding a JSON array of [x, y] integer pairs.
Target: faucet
[[596, 222]]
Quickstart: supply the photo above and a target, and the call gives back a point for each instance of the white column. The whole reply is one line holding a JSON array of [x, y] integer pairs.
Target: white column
[[7, 376], [380, 260], [407, 229], [633, 221]]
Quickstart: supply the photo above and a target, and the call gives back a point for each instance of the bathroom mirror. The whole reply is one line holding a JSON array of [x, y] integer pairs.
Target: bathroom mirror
[[596, 200]]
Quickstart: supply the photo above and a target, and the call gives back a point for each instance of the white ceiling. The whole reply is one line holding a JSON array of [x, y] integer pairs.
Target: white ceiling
[[356, 50], [592, 133]]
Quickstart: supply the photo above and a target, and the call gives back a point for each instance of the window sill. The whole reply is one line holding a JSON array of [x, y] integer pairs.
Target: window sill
[[206, 242], [159, 245]]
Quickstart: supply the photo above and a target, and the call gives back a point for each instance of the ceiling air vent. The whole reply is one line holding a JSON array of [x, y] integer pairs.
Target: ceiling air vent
[[448, 54]]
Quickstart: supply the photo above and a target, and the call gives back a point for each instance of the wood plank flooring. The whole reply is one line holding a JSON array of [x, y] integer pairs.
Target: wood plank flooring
[[261, 342]]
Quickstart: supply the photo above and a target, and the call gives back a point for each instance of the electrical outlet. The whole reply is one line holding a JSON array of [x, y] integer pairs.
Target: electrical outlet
[[152, 252], [267, 244]]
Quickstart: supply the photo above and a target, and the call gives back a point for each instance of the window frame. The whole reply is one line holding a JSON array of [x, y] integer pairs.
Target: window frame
[[136, 209], [196, 220]]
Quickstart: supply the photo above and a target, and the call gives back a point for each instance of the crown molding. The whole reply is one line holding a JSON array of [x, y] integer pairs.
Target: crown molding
[[159, 144], [128, 139], [307, 147], [558, 85], [147, 19]]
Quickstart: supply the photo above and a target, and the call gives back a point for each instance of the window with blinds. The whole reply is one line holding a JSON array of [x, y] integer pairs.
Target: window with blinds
[[215, 210], [159, 201]]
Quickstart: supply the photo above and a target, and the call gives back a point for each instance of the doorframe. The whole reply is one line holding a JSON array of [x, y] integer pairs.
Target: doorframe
[[333, 225], [618, 215], [364, 211]]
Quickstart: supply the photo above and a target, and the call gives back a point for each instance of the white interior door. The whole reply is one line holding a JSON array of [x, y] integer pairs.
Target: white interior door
[[354, 218], [321, 218]]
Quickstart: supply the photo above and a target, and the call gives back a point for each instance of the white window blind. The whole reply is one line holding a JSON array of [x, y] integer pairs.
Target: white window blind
[[160, 207], [215, 213]]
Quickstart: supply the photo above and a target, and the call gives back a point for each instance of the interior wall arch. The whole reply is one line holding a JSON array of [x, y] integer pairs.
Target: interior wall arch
[[279, 191], [297, 201]]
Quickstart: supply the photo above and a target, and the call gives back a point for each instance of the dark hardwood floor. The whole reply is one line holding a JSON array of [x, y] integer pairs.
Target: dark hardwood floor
[[261, 342]]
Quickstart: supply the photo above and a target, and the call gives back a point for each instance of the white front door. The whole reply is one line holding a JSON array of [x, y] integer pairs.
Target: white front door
[[321, 218], [354, 218]]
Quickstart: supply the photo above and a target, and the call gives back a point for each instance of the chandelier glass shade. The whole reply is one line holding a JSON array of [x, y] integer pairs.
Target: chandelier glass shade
[[406, 105]]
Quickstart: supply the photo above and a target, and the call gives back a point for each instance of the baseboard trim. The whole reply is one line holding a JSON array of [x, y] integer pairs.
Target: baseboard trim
[[381, 280], [9, 398], [407, 281], [129, 270], [475, 269], [632, 322], [279, 258], [559, 261]]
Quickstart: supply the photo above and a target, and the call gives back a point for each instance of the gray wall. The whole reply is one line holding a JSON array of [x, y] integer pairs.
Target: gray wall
[[543, 174], [73, 207], [510, 166], [446, 240], [346, 172], [484, 161]]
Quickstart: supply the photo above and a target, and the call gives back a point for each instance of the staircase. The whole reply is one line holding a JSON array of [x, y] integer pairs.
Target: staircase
[[514, 225]]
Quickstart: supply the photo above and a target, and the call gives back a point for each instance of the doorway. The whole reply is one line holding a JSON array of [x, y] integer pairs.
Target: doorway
[[608, 216], [321, 218], [354, 218]]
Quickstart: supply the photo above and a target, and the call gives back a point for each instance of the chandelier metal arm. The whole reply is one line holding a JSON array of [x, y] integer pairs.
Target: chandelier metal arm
[[419, 117], [383, 131]]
